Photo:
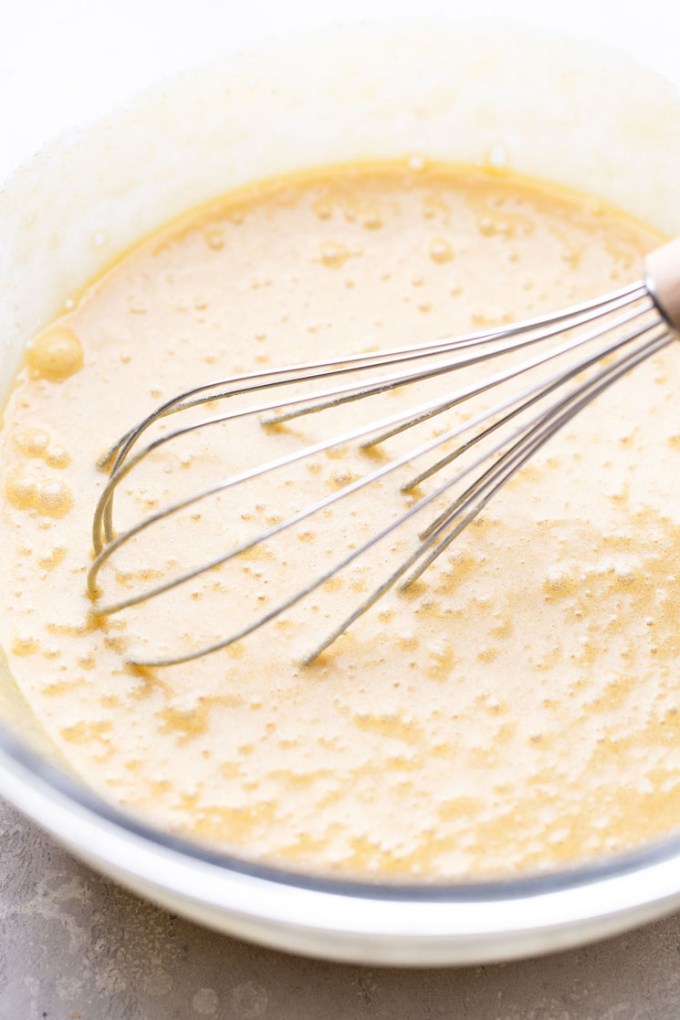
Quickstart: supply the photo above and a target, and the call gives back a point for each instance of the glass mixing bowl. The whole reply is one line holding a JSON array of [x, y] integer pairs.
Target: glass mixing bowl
[[304, 92]]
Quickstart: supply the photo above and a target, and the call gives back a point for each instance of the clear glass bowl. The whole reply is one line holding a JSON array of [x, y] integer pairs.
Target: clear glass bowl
[[577, 111]]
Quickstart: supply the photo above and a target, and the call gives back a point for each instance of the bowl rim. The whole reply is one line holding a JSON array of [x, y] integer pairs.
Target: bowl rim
[[489, 889]]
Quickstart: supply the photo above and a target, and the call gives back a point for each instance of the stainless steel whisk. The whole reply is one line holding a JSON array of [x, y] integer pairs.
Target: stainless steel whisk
[[608, 336]]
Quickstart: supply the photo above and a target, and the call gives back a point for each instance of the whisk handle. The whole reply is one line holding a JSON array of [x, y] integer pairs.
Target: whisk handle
[[663, 280]]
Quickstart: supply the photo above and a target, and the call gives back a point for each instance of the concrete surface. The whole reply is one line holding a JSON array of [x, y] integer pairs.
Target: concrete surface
[[73, 946]]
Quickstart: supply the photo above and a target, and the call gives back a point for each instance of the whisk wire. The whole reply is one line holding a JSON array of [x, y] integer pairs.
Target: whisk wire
[[629, 324], [475, 503], [257, 381], [304, 371], [386, 429], [544, 428], [531, 435]]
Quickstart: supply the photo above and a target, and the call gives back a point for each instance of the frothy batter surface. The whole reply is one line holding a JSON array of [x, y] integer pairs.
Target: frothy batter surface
[[518, 709]]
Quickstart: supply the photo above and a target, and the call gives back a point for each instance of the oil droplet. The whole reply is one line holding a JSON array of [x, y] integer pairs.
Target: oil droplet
[[372, 220], [214, 238], [323, 209], [56, 557], [25, 644], [559, 583], [57, 457], [571, 257], [439, 659], [342, 477], [22, 490], [490, 226], [54, 499], [56, 355], [33, 442], [334, 254], [441, 250]]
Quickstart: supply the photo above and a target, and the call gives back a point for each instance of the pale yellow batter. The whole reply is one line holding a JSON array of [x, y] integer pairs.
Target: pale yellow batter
[[518, 710]]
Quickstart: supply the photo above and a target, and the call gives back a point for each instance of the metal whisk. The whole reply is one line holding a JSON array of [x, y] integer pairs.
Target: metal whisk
[[607, 337]]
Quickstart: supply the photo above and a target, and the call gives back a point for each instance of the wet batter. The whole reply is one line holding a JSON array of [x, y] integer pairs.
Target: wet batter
[[518, 710]]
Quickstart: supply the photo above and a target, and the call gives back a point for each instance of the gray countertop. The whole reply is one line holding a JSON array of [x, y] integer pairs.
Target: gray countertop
[[74, 946]]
